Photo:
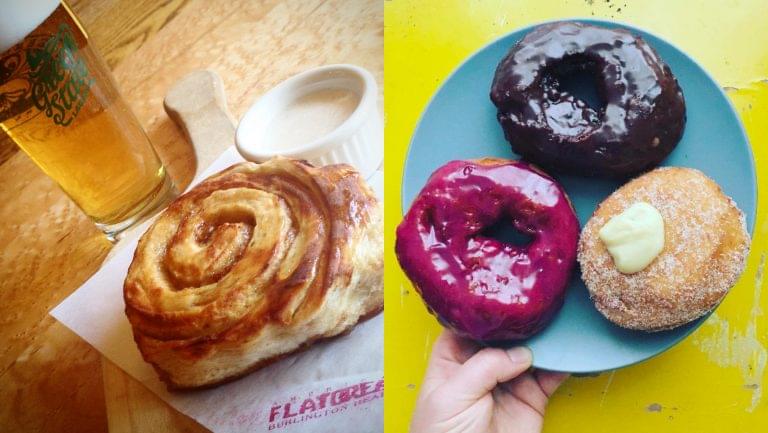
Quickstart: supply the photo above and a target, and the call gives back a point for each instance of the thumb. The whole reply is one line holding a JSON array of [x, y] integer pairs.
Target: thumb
[[487, 368]]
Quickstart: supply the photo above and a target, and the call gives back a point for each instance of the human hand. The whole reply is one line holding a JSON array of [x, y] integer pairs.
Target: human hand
[[490, 390]]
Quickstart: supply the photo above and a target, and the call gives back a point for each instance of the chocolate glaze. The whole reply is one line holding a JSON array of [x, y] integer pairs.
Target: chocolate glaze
[[480, 287], [640, 124]]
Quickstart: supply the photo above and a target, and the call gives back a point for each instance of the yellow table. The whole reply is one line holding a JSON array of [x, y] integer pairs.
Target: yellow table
[[711, 382]]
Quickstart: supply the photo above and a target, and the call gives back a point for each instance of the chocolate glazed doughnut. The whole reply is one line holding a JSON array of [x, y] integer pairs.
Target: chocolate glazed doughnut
[[643, 115], [483, 288]]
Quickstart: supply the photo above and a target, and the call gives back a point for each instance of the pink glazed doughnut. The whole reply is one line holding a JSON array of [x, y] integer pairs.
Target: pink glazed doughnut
[[480, 287]]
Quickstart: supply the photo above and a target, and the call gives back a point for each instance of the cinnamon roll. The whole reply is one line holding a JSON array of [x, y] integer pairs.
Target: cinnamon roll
[[254, 263]]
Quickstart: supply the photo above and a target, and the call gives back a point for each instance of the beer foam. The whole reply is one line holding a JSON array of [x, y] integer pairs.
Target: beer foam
[[19, 18]]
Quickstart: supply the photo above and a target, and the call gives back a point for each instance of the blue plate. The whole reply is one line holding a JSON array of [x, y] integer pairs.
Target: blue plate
[[460, 123]]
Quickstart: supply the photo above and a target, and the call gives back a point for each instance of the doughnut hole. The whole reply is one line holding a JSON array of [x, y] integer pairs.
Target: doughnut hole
[[505, 232], [578, 76], [574, 96]]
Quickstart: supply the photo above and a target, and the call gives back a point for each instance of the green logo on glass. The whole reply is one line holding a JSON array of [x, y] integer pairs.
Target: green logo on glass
[[60, 79]]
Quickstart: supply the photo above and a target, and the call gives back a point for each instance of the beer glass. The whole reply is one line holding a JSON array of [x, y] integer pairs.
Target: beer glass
[[59, 103]]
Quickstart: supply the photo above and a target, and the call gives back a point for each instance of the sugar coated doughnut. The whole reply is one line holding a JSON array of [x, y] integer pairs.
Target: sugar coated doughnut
[[705, 250]]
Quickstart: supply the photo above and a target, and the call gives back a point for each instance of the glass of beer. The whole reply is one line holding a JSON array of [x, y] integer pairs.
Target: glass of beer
[[59, 103]]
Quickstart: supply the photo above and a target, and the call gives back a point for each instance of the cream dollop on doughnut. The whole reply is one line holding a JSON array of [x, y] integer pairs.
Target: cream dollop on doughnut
[[634, 237]]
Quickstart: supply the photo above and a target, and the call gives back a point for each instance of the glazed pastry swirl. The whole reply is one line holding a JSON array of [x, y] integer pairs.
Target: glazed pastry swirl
[[254, 254]]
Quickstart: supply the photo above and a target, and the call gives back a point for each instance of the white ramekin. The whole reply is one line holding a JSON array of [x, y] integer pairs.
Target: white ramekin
[[359, 140]]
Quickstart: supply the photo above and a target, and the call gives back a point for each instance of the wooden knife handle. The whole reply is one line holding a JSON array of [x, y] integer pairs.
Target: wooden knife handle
[[197, 103]]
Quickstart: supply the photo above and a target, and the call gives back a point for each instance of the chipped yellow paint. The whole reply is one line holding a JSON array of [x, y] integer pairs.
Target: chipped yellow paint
[[733, 348], [711, 382]]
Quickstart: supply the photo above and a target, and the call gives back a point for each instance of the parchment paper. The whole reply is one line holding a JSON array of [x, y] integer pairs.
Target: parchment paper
[[335, 386]]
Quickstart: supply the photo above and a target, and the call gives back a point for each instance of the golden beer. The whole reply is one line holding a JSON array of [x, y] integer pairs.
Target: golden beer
[[59, 104]]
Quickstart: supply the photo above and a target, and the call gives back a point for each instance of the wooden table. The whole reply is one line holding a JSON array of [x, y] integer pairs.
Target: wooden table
[[51, 380]]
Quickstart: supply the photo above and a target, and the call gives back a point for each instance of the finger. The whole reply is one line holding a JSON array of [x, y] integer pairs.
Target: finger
[[534, 389], [487, 368], [449, 352], [549, 381], [451, 347], [526, 389]]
